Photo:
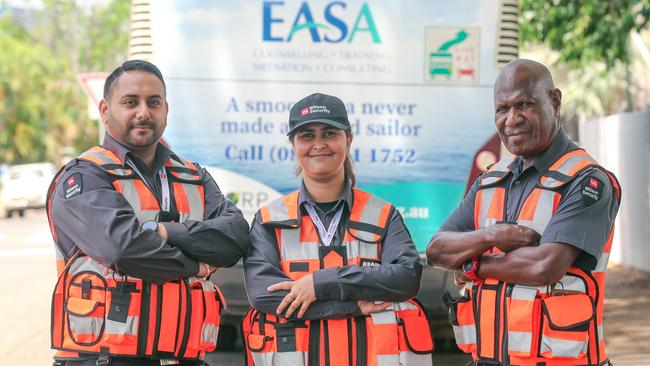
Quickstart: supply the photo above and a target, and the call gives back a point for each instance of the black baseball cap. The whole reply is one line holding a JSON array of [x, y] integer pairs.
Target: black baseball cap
[[321, 108]]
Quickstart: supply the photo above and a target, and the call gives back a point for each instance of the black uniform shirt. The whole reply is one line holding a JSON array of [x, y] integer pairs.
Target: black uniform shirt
[[101, 222], [337, 289], [578, 221]]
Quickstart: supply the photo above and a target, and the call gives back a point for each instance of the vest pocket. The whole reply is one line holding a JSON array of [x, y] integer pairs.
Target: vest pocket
[[414, 333], [204, 318], [461, 317], [566, 321], [85, 308], [122, 318], [210, 323], [415, 342], [522, 309], [261, 348], [85, 320]]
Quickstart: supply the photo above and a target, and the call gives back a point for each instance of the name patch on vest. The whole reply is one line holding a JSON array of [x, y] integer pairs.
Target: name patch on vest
[[364, 262], [591, 190], [72, 186]]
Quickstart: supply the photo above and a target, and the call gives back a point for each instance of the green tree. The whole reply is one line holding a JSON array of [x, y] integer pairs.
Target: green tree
[[591, 38], [585, 31], [42, 106]]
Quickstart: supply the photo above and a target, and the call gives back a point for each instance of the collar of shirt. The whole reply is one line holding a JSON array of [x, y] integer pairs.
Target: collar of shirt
[[560, 145], [162, 154], [346, 196]]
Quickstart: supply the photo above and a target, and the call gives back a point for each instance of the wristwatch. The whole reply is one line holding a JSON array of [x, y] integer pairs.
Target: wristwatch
[[470, 269], [150, 225]]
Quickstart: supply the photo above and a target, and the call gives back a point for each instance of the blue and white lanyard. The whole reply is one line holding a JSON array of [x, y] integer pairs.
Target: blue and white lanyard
[[165, 203], [325, 235]]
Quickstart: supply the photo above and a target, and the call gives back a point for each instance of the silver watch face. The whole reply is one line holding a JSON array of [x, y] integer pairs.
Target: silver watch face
[[150, 225]]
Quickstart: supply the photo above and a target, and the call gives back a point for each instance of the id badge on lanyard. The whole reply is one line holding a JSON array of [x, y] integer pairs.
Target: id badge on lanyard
[[326, 235]]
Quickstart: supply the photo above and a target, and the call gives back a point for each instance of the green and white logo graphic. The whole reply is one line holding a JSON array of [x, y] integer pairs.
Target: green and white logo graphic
[[452, 55]]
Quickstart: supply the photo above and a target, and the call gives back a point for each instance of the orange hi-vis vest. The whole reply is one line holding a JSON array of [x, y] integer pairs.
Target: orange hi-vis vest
[[120, 315], [399, 335], [556, 325]]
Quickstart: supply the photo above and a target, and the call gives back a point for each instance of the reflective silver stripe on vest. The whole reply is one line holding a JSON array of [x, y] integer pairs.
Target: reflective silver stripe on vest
[[58, 253], [571, 283], [384, 317], [87, 264], [486, 202], [404, 305], [465, 334], [293, 250], [599, 328], [195, 202], [81, 264], [278, 210], [565, 168], [130, 193], [414, 359], [388, 360], [371, 214], [208, 286], [85, 325], [526, 293], [209, 333], [543, 212], [563, 347], [372, 210], [295, 358], [128, 328], [265, 358], [356, 249], [601, 266], [501, 166], [519, 341], [194, 198], [98, 155]]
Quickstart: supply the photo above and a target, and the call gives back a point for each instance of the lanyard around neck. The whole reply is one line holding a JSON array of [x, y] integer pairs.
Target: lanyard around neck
[[165, 203], [325, 235]]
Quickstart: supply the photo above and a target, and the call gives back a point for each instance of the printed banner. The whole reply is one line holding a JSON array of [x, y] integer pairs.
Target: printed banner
[[416, 77]]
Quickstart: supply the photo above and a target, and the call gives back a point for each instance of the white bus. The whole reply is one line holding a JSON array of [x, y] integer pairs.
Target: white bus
[[416, 77]]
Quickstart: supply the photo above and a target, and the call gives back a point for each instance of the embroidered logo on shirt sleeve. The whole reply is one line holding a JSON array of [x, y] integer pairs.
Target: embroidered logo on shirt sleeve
[[72, 186], [591, 189]]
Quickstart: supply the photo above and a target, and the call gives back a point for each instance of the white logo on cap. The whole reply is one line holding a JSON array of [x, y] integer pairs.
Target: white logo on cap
[[318, 109]]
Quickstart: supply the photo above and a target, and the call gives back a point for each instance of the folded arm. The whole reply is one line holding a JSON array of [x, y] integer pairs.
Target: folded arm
[[221, 239]]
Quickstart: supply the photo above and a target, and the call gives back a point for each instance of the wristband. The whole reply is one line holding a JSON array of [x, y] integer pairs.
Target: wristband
[[470, 269]]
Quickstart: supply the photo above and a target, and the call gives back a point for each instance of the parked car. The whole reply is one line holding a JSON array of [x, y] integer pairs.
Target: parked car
[[25, 186]]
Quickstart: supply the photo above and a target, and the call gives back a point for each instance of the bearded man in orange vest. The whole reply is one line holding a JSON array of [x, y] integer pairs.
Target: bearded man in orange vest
[[138, 230], [531, 240]]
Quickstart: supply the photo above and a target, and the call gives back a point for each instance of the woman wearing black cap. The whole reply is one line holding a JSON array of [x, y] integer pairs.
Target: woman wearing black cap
[[331, 269]]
